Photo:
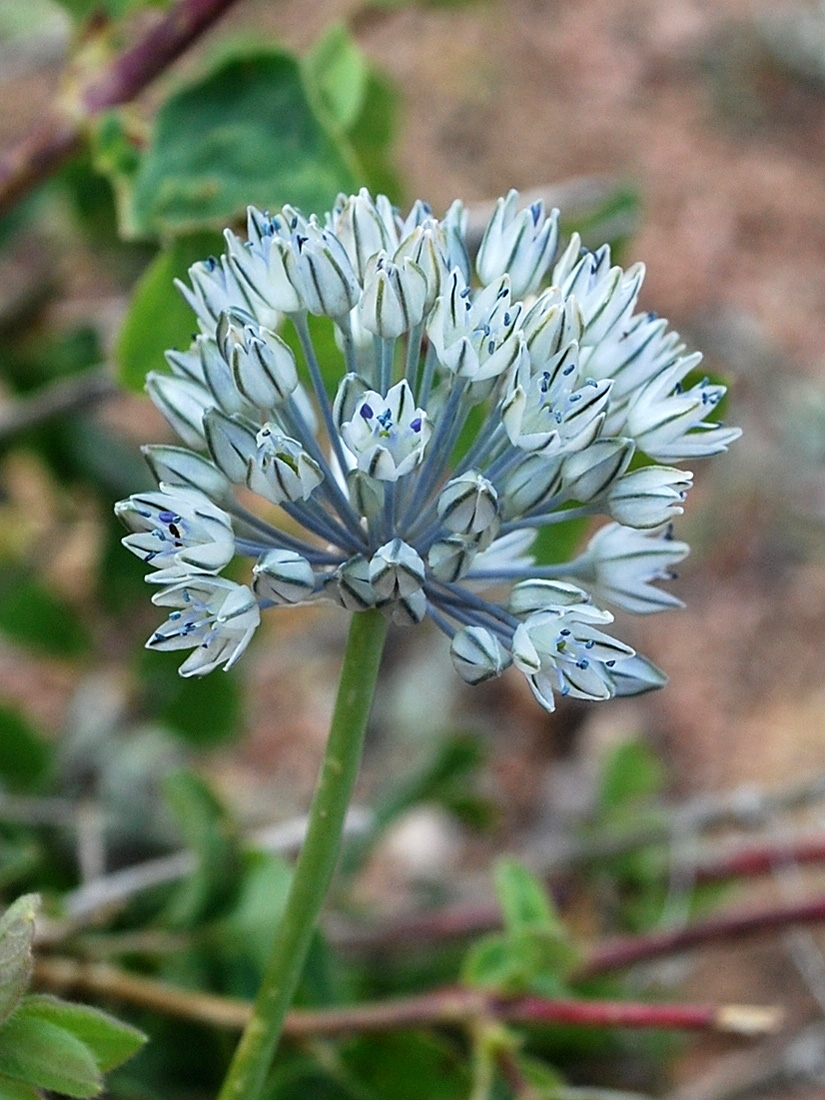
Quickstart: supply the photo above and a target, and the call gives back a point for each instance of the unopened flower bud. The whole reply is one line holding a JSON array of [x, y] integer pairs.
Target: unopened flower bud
[[396, 570], [588, 474], [478, 655], [283, 576], [468, 504]]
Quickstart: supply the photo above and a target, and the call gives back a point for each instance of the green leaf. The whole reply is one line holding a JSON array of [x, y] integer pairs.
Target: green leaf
[[17, 1090], [559, 541], [373, 133], [158, 318], [213, 835], [406, 1066], [632, 774], [24, 755], [42, 1054], [32, 616], [523, 898], [81, 10], [489, 962], [245, 133], [16, 939], [110, 1041], [336, 77]]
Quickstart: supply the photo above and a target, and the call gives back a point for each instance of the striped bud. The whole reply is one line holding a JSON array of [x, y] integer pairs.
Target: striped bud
[[396, 570], [283, 576], [468, 504], [478, 655]]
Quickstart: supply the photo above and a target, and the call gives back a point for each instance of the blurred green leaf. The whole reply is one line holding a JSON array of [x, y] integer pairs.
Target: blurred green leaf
[[488, 962], [406, 1066], [261, 901], [205, 711], [372, 135], [32, 616], [24, 754], [631, 774], [42, 1054], [523, 898], [110, 1041], [16, 939], [559, 541], [336, 77], [245, 133], [81, 10], [211, 833], [17, 1090], [158, 318]]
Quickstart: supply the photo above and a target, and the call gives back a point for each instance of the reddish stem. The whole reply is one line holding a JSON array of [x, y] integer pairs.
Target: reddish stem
[[623, 951], [761, 858], [44, 149]]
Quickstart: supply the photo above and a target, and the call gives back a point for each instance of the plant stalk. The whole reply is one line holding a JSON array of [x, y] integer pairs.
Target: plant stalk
[[317, 859]]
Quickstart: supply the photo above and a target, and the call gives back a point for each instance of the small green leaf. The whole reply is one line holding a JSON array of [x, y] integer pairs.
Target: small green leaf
[[336, 76], [632, 774], [32, 616], [42, 1054], [523, 898], [213, 835], [110, 1041], [16, 939], [245, 133], [158, 318], [489, 962]]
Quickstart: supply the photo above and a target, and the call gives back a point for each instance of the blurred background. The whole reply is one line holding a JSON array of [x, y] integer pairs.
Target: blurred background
[[690, 134]]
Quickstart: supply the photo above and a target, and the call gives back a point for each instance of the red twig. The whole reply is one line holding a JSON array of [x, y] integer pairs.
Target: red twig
[[761, 858], [456, 1006], [623, 951], [464, 921], [42, 151]]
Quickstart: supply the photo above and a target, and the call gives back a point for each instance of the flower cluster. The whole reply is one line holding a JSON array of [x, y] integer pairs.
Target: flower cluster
[[470, 407]]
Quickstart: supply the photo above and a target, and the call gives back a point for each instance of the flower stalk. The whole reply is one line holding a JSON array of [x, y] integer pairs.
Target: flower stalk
[[317, 859]]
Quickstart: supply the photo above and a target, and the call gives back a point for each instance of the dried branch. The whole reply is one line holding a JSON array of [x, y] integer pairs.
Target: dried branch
[[41, 152], [439, 1008], [19, 414], [88, 900]]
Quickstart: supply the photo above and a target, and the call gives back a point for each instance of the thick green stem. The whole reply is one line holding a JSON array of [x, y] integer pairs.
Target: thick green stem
[[316, 863]]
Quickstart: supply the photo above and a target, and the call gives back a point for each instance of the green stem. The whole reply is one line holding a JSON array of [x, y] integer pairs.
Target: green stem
[[316, 862]]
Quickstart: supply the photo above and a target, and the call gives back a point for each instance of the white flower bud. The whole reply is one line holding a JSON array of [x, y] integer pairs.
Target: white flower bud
[[519, 244], [365, 493], [648, 497], [468, 504], [280, 469], [177, 466], [362, 230], [231, 443], [352, 581], [542, 594], [478, 655], [394, 296], [425, 246], [588, 474], [406, 610], [218, 376], [263, 366], [536, 478], [183, 403], [620, 565], [450, 558], [283, 576], [319, 269], [396, 570]]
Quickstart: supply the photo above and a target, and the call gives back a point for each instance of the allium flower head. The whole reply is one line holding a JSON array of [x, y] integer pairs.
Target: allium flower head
[[373, 491]]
